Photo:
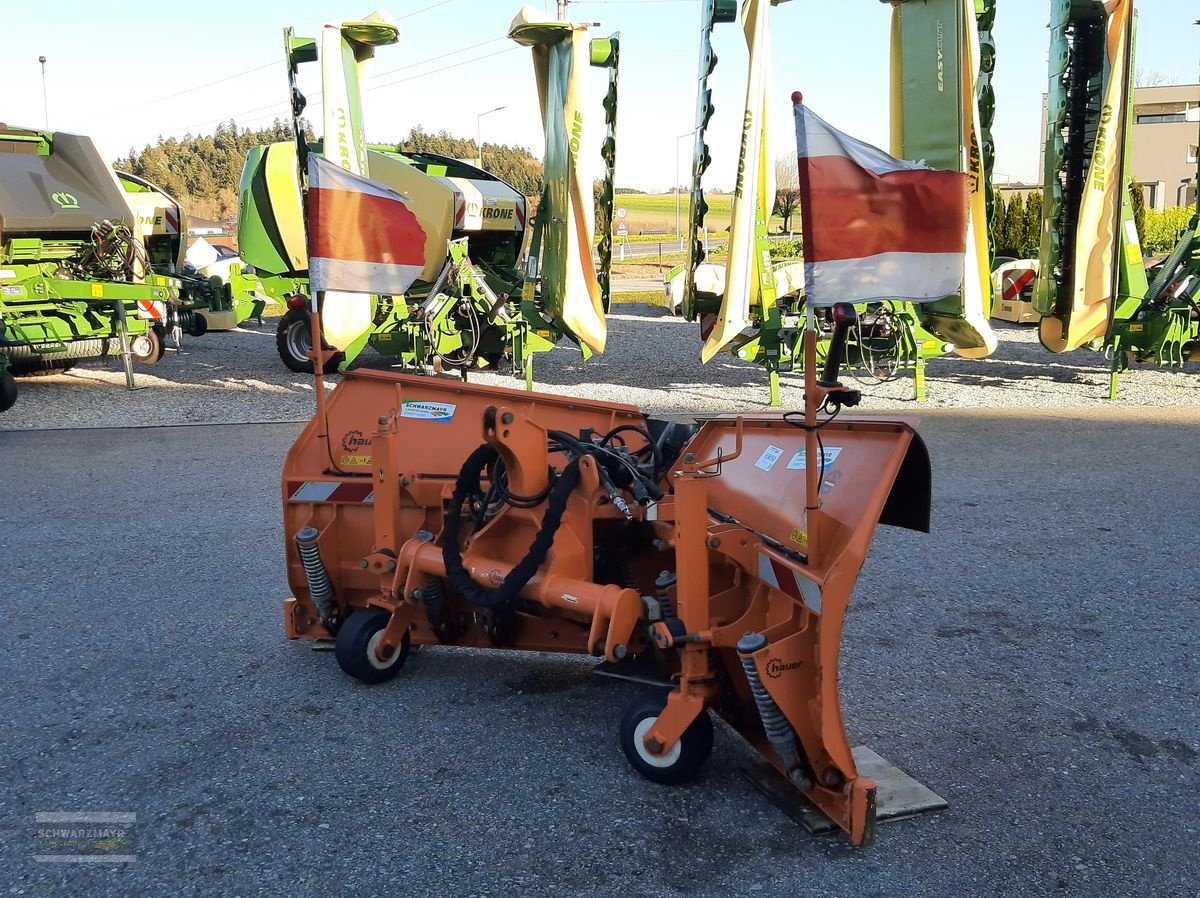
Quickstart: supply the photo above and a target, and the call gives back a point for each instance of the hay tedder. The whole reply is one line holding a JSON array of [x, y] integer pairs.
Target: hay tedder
[[1092, 289], [490, 296], [755, 310], [721, 556]]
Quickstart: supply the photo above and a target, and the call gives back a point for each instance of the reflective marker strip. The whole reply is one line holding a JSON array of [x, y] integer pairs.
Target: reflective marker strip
[[1018, 283], [787, 581], [330, 491], [149, 310], [171, 216]]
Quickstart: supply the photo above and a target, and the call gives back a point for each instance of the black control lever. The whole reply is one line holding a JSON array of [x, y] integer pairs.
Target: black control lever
[[844, 316]]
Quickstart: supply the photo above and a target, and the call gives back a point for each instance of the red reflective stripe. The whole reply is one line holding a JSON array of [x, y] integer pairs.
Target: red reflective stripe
[[461, 213], [851, 213], [360, 227], [351, 492], [1016, 284], [786, 578], [172, 218]]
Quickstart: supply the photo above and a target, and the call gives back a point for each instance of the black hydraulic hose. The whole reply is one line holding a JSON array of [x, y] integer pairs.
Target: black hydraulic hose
[[467, 485]]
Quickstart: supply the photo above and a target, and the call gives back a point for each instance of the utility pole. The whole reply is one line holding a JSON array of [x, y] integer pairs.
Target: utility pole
[[45, 106], [562, 10]]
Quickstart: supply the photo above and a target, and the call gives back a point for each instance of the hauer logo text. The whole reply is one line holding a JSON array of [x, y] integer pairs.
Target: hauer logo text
[[355, 440], [776, 668]]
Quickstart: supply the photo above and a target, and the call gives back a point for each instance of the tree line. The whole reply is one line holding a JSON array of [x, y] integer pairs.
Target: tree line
[[202, 171]]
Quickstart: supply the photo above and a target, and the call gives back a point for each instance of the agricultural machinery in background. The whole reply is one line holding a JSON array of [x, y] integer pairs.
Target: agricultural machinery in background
[[490, 296], [75, 282], [1092, 289], [160, 224], [754, 309]]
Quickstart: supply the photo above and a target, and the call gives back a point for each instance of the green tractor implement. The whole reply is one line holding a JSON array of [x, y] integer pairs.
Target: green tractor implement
[[75, 282], [1092, 289], [753, 308], [160, 224], [491, 295]]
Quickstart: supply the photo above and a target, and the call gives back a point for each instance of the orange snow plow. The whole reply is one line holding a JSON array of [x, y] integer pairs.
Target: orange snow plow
[[419, 510]]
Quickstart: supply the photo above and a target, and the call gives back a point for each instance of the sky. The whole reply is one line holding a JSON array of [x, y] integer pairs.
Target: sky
[[126, 77]]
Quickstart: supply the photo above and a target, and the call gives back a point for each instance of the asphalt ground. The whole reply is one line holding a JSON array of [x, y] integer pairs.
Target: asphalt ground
[[1033, 660]]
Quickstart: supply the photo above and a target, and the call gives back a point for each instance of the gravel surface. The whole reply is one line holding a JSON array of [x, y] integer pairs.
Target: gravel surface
[[653, 362], [1033, 660]]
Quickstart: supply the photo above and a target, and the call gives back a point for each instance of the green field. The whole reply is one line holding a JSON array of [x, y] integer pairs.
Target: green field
[[656, 212]]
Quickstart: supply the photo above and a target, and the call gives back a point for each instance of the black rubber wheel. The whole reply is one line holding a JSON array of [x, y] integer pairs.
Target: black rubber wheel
[[39, 367], [355, 647], [685, 758], [147, 348], [293, 340], [199, 325], [8, 391]]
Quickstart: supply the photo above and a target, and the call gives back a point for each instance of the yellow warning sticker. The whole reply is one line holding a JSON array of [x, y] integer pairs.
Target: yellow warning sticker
[[356, 460], [1136, 328], [98, 290], [800, 537]]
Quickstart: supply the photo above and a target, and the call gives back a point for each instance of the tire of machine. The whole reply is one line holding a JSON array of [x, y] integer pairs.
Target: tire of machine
[[147, 348], [682, 762], [8, 391], [293, 340], [355, 647]]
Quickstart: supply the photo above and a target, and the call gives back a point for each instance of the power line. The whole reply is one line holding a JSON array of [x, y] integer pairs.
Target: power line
[[282, 106], [412, 65], [423, 9], [189, 90], [444, 68]]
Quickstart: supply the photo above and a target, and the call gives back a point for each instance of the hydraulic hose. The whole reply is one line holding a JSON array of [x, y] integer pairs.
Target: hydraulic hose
[[468, 484]]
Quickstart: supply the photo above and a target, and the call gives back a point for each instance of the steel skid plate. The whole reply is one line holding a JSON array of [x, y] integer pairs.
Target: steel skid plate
[[898, 795]]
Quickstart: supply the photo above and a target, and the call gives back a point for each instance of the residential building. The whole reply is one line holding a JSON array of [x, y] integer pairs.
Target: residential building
[[1166, 140]]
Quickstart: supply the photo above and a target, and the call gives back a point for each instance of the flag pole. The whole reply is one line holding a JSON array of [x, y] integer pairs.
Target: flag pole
[[317, 353], [812, 466]]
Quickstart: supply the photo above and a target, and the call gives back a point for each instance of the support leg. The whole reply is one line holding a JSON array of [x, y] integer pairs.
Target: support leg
[[773, 380], [1114, 369], [919, 378]]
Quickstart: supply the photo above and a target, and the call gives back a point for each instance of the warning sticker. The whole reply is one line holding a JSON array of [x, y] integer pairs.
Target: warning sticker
[[798, 460], [767, 460], [356, 461], [427, 411]]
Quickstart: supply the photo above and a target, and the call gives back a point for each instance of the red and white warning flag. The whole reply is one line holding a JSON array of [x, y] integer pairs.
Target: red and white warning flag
[[875, 227], [362, 237]]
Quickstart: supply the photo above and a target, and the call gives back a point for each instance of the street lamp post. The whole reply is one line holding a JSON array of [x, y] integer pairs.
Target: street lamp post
[[479, 130], [45, 106], [679, 233]]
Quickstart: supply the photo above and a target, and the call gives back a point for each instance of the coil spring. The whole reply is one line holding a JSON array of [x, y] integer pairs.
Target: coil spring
[[779, 732], [320, 589]]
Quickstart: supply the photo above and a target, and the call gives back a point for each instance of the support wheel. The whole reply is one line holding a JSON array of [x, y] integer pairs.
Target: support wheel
[[293, 340], [682, 762], [8, 391], [355, 647], [147, 348]]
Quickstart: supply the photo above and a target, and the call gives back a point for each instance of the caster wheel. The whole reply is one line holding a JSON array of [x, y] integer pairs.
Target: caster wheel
[[682, 762], [355, 647], [147, 348]]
